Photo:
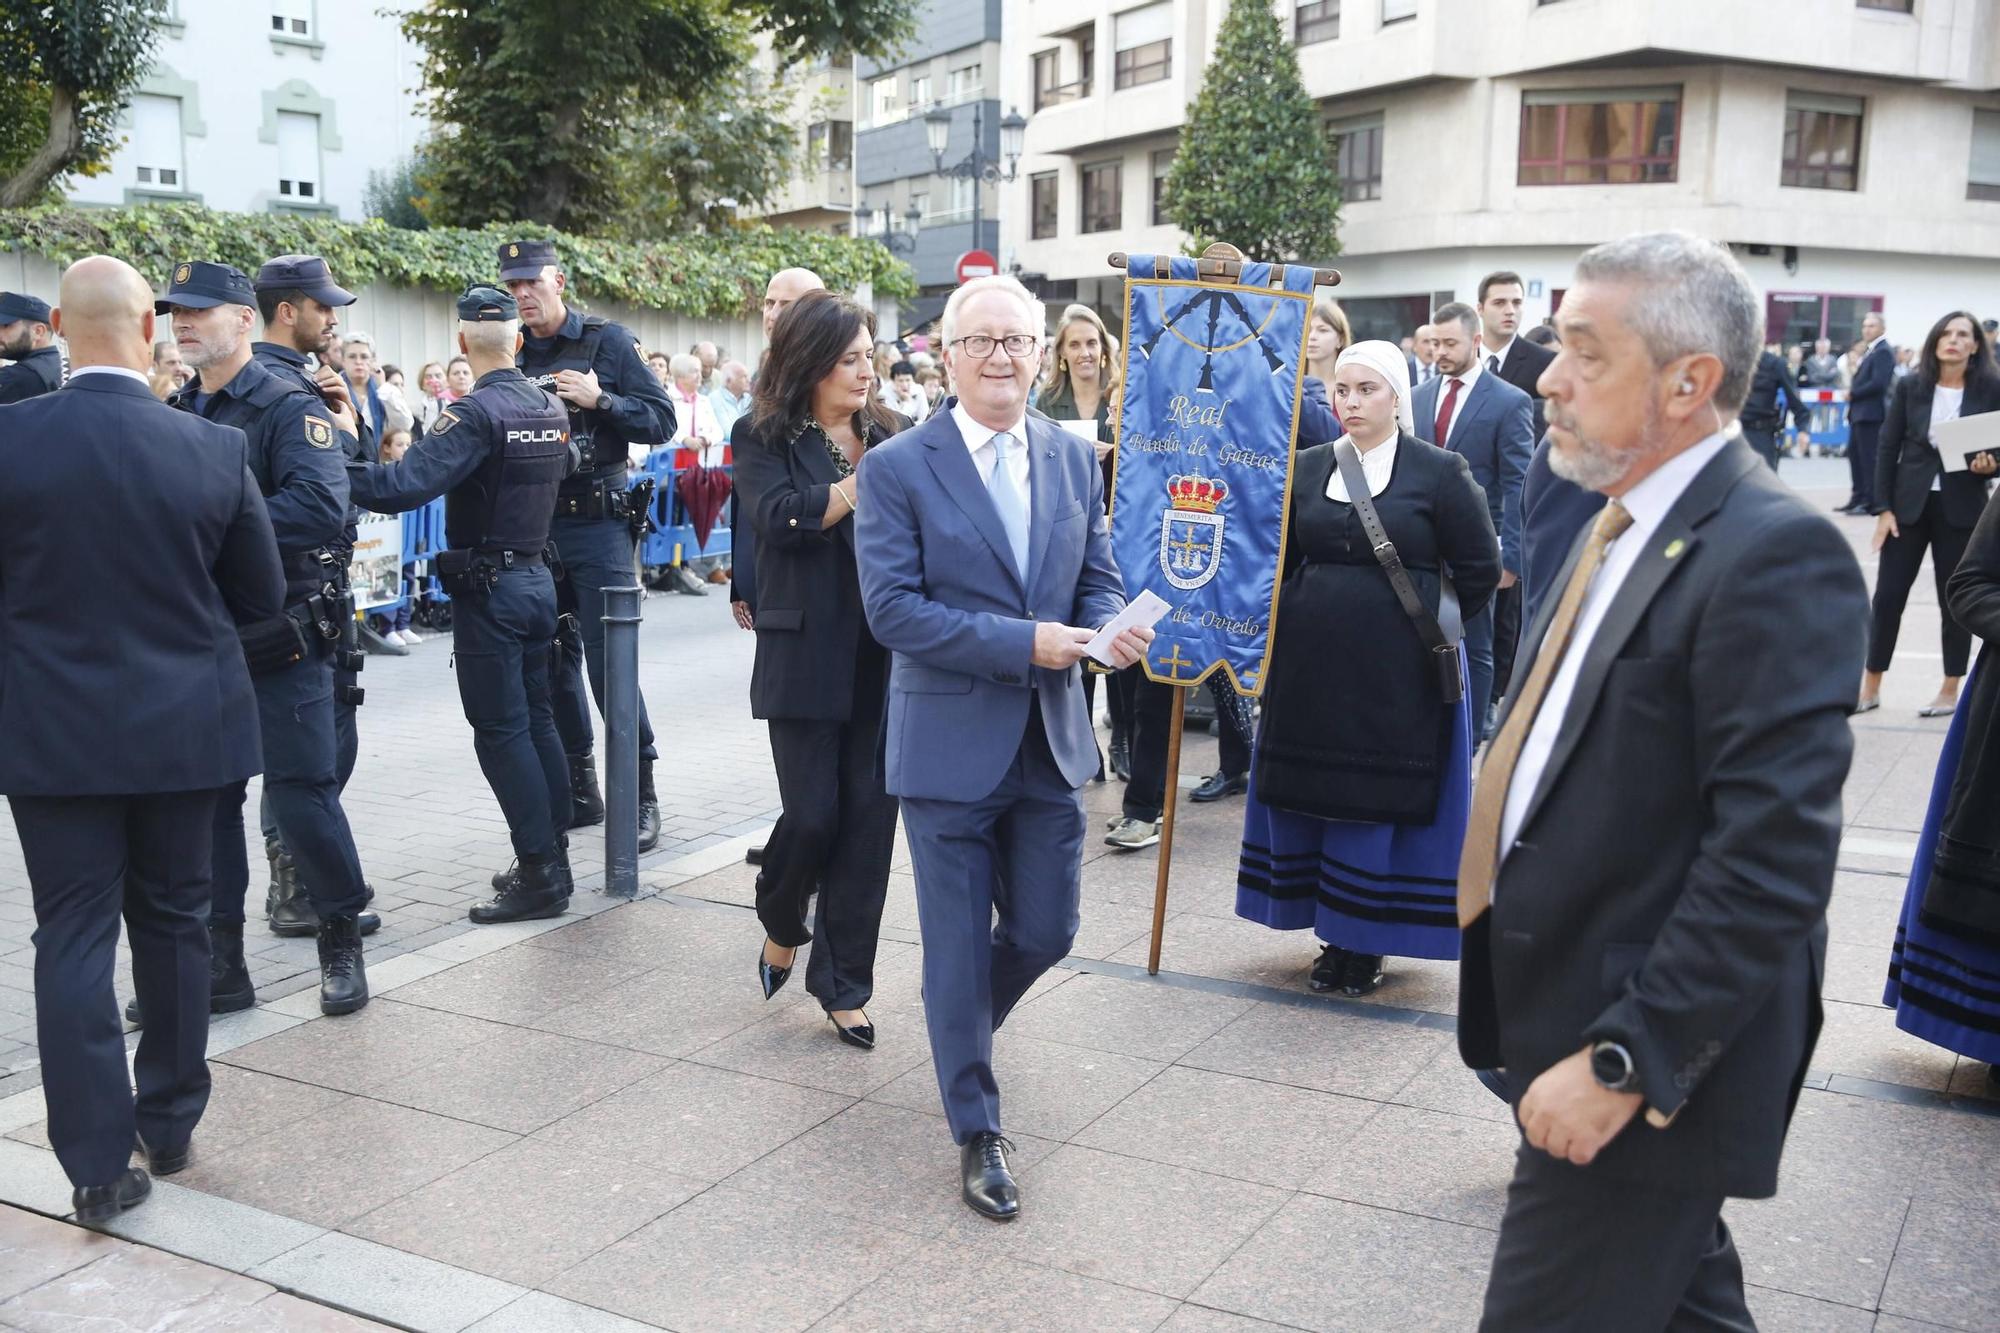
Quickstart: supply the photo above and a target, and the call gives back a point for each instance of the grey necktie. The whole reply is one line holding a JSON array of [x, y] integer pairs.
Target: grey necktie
[[1493, 364], [1008, 500]]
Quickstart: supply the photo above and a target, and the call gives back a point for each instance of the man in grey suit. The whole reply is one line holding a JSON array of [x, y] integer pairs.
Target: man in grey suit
[[1651, 846], [1491, 425], [985, 559]]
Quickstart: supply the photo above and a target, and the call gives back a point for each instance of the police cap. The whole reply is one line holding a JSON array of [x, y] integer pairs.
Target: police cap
[[14, 306], [198, 285], [303, 273], [483, 303], [525, 259]]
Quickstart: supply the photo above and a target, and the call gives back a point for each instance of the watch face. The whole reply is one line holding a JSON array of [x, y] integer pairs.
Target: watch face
[[1611, 1065]]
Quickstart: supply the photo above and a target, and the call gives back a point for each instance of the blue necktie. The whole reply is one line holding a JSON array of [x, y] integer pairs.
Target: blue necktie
[[1008, 500]]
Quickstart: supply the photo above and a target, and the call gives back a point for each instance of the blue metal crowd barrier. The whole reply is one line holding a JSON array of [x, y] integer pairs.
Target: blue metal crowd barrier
[[1826, 431], [674, 540]]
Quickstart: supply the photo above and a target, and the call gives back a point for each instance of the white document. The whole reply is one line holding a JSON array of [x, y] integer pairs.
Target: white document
[[1086, 428], [1144, 611], [1957, 440]]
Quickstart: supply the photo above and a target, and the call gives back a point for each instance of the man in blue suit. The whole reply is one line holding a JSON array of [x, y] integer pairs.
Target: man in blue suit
[[1867, 405], [985, 563], [129, 555], [1491, 425]]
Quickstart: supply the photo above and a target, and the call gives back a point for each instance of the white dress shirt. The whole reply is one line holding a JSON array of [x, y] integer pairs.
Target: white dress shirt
[[1647, 503], [1946, 404], [1377, 465], [1506, 347], [977, 437], [126, 371], [1465, 381]]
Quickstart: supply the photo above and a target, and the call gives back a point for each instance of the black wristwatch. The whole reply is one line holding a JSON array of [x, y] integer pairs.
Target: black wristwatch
[[1611, 1065]]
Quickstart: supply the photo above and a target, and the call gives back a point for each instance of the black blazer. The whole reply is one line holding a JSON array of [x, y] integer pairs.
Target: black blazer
[[808, 612], [1868, 393], [1523, 369], [1668, 887], [1906, 463], [133, 540], [742, 540]]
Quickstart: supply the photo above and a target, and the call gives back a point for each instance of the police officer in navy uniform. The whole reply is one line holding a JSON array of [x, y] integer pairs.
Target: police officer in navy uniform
[[27, 340], [614, 402], [133, 541], [498, 456], [300, 305], [299, 447]]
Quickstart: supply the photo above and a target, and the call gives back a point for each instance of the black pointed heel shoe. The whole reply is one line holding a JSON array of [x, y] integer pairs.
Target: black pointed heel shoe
[[771, 977], [861, 1035]]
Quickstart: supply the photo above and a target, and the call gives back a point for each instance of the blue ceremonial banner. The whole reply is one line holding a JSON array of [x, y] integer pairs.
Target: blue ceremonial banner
[[1213, 377]]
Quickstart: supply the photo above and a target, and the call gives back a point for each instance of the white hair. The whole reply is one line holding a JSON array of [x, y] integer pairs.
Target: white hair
[[994, 282], [360, 339], [1691, 296], [684, 363]]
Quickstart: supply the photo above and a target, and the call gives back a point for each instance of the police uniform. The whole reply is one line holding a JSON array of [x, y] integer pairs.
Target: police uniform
[[595, 530], [498, 456], [39, 371], [298, 457], [1761, 415]]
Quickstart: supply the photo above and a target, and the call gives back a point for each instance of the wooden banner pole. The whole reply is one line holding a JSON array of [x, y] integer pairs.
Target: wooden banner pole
[[1167, 803]]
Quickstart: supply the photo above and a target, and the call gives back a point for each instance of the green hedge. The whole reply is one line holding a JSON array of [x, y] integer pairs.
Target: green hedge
[[703, 276]]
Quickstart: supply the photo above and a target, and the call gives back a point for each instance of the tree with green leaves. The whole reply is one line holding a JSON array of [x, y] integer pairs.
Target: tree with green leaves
[[1254, 168], [536, 102], [68, 67], [396, 195], [689, 166]]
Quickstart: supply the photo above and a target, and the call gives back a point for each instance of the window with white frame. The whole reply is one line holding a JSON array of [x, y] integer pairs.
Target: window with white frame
[[292, 18], [920, 91], [156, 142], [1395, 11], [298, 157], [964, 191], [1145, 46], [1983, 174], [965, 83], [882, 104]]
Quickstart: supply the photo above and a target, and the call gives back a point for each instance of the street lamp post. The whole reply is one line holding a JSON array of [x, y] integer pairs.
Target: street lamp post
[[897, 242], [976, 166]]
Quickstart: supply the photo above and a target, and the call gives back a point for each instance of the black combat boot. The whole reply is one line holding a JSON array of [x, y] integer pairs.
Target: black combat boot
[[229, 987], [286, 907], [535, 887], [586, 803], [649, 808], [343, 977]]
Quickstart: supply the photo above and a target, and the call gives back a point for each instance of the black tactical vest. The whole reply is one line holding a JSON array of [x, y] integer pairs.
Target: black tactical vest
[[602, 445], [506, 504]]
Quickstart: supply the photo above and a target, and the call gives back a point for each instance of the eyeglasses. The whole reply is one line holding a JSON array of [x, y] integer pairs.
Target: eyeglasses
[[979, 344]]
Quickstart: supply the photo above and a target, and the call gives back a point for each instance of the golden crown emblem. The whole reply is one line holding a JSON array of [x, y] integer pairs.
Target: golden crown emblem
[[1201, 494], [513, 252], [183, 273]]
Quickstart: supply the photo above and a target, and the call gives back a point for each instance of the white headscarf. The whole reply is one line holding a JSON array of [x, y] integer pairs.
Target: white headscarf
[[1387, 360]]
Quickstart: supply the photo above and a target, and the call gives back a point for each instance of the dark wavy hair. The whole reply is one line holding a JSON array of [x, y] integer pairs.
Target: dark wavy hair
[[807, 342], [1979, 367]]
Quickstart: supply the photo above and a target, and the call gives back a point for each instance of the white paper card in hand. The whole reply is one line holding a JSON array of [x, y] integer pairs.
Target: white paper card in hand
[[1958, 440], [1086, 427], [1143, 611]]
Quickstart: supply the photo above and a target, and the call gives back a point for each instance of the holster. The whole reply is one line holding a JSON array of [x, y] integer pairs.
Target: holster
[[639, 508], [466, 572], [271, 645]]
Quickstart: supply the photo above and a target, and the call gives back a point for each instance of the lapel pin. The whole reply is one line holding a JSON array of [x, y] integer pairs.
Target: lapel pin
[[1674, 548]]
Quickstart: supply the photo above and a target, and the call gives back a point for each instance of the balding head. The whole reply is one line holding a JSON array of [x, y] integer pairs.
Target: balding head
[[105, 311], [786, 286]]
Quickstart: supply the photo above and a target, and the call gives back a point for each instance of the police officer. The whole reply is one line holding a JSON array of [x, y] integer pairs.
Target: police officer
[[299, 446], [300, 305], [1761, 415], [498, 456], [27, 341], [614, 402]]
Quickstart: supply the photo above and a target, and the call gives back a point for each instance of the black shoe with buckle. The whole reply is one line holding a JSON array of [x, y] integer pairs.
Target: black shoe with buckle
[[989, 1188], [1218, 785]]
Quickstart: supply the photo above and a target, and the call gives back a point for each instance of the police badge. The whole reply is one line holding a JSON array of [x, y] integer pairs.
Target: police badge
[[1191, 556], [183, 273], [319, 432]]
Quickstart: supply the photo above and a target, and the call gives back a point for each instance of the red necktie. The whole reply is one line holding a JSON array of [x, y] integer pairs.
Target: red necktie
[[1444, 412]]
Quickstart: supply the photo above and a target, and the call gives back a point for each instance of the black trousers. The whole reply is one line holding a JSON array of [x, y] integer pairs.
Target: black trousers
[[1902, 557], [1861, 440], [500, 651], [1152, 715], [91, 859], [1506, 637], [836, 838], [1764, 439], [1581, 1252]]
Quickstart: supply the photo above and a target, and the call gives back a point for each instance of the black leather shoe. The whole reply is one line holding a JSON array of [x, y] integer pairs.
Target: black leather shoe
[[1362, 974], [649, 808], [343, 975], [1218, 785], [989, 1187], [771, 977], [1325, 975], [861, 1035], [100, 1203], [1121, 757], [167, 1160], [536, 888], [229, 988], [1496, 1082], [586, 802]]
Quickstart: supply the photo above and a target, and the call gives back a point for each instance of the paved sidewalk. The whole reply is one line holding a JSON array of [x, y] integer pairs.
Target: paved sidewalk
[[598, 1125]]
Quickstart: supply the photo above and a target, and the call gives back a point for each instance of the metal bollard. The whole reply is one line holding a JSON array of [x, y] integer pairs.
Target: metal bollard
[[621, 741]]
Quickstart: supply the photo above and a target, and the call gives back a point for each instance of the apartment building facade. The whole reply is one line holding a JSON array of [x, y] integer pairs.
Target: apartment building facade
[[1848, 150]]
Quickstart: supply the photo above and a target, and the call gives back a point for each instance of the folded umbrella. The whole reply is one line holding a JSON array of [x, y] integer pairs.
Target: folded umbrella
[[703, 491]]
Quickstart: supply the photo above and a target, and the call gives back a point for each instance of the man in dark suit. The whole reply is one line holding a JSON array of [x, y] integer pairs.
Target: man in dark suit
[[1867, 404], [27, 340], [1553, 511], [1514, 359], [1488, 423], [1651, 845], [985, 563], [126, 709]]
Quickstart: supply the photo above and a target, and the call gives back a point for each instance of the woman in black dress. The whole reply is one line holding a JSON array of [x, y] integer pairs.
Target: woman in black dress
[[820, 678], [1362, 780]]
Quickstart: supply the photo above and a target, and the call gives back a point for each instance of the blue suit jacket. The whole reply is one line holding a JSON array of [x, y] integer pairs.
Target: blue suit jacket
[[1868, 395], [940, 589], [133, 540], [1553, 513], [1495, 435]]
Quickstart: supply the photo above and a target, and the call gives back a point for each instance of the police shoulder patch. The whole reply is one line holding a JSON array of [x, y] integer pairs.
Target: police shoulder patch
[[444, 422], [319, 432]]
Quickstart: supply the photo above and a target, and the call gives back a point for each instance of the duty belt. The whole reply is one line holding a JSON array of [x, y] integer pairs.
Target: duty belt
[[608, 500], [511, 559], [322, 616]]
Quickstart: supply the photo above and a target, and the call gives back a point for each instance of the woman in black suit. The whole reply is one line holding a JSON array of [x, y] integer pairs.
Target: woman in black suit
[[820, 678], [1923, 506]]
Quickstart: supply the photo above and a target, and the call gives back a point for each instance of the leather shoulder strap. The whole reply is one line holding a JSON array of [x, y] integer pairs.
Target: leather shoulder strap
[[1442, 649]]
